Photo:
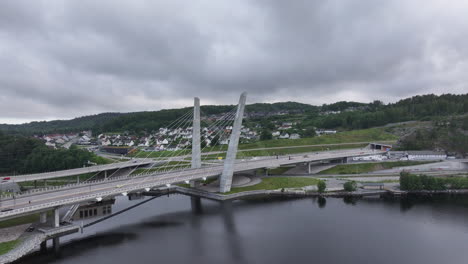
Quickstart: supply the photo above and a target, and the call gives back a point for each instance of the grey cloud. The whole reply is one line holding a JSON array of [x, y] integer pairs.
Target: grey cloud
[[80, 57]]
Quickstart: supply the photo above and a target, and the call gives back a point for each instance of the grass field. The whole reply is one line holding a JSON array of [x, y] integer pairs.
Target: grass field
[[274, 183], [369, 167], [354, 136], [278, 171], [5, 247], [19, 220], [294, 150], [363, 135], [170, 165]]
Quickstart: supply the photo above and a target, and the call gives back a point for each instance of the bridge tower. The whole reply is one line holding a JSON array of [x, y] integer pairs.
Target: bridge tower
[[196, 146], [228, 170]]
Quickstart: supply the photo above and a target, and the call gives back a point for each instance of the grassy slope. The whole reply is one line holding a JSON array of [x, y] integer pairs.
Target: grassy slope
[[368, 167], [19, 221], [274, 183], [364, 135], [5, 247]]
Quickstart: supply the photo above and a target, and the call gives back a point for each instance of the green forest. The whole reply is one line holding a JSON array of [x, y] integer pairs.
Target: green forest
[[353, 115], [20, 155]]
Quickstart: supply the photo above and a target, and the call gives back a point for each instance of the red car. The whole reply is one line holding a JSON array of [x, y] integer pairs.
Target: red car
[[6, 179]]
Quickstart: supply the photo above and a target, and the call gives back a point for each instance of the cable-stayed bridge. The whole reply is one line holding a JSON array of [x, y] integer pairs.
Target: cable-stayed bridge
[[158, 173]]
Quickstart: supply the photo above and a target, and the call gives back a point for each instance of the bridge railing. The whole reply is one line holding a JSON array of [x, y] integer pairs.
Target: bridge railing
[[246, 164], [84, 169], [87, 183], [148, 184], [264, 161]]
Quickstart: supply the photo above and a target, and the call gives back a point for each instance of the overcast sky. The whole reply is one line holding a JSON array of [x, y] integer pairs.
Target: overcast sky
[[63, 59]]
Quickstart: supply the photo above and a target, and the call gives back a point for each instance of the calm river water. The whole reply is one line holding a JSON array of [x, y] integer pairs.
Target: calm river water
[[168, 230]]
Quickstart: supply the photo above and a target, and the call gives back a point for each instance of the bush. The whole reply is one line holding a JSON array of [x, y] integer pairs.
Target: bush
[[350, 186], [411, 182], [321, 186]]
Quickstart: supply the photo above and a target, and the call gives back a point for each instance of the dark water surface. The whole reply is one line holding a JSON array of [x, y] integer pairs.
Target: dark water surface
[[169, 230]]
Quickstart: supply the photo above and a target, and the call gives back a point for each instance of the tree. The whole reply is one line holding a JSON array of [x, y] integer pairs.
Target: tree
[[321, 186], [309, 132], [215, 141], [266, 135], [350, 186]]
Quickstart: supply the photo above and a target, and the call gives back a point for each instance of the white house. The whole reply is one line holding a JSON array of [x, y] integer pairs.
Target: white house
[[294, 136], [276, 134], [284, 136]]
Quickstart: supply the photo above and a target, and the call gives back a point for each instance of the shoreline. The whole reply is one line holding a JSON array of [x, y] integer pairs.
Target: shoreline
[[31, 242]]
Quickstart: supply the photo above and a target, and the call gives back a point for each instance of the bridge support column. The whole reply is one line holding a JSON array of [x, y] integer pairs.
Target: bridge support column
[[196, 205], [228, 170], [56, 222], [56, 244], [308, 168], [196, 145], [77, 179], [43, 217], [44, 246], [105, 175]]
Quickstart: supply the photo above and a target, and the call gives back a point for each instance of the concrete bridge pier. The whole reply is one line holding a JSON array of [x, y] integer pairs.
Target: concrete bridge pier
[[196, 205], [309, 170], [228, 169], [56, 244], [44, 246], [43, 217], [196, 138]]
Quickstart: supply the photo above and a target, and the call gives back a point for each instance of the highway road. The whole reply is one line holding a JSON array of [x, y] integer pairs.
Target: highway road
[[36, 202], [78, 171]]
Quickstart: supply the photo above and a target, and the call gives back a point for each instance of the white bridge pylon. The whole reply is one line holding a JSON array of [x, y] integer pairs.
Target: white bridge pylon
[[228, 168]]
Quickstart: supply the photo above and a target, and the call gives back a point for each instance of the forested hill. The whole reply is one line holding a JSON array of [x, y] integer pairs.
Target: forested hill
[[60, 126], [342, 115], [421, 107], [140, 121]]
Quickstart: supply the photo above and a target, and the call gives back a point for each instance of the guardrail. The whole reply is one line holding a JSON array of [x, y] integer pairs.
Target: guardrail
[[84, 169], [173, 177], [273, 162]]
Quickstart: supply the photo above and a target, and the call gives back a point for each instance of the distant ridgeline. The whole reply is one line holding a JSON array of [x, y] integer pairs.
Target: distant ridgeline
[[340, 115]]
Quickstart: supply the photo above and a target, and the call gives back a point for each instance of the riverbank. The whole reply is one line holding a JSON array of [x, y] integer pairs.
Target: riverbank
[[24, 245], [31, 242]]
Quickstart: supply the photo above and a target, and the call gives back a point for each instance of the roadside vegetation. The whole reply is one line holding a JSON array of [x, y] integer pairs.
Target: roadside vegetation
[[350, 186], [5, 247], [19, 220], [321, 186], [412, 182], [278, 171], [275, 183], [171, 165], [358, 168]]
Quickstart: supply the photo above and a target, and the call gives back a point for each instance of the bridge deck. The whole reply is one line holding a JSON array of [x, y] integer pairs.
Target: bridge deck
[[78, 171], [37, 202]]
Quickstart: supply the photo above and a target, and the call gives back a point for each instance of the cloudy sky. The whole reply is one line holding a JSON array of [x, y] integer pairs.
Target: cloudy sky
[[62, 59]]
